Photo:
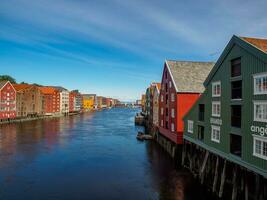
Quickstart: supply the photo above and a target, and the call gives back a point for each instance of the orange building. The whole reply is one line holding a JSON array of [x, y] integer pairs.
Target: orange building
[[51, 100]]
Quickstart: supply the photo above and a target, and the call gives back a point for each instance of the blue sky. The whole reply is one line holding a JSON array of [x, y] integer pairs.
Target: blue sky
[[117, 47]]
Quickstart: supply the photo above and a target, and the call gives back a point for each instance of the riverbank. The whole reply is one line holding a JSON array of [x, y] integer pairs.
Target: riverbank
[[26, 119]]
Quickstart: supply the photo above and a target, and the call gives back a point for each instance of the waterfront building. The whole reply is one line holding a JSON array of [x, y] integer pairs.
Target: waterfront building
[[147, 102], [89, 101], [229, 119], [155, 102], [51, 100], [7, 101], [181, 86], [75, 101], [64, 99], [143, 102], [29, 100]]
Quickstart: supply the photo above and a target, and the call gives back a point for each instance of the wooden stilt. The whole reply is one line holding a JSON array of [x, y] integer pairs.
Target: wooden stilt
[[222, 179], [201, 174], [234, 191], [257, 186], [246, 186], [183, 153], [216, 175]]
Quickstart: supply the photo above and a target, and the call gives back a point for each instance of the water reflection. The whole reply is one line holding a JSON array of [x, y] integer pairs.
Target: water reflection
[[89, 156]]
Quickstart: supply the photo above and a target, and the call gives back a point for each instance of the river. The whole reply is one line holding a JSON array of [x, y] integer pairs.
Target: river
[[89, 156]]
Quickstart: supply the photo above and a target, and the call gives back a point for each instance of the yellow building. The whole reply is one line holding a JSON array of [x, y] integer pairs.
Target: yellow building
[[89, 101]]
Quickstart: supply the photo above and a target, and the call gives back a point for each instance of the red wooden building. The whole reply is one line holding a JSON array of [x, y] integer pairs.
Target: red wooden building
[[51, 100], [181, 86], [7, 101]]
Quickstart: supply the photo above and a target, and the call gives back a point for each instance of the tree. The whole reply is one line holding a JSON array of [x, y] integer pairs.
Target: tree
[[7, 78]]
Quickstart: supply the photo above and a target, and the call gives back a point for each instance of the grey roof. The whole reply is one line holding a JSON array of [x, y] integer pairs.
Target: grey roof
[[59, 88], [189, 76], [2, 83]]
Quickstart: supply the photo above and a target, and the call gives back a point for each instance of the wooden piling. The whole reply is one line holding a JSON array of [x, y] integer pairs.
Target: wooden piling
[[216, 175], [222, 179]]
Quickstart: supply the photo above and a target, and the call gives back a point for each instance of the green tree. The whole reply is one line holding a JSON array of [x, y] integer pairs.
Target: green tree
[[7, 78]]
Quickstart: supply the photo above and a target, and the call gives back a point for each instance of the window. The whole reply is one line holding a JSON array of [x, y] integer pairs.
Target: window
[[215, 133], [260, 146], [200, 133], [166, 74], [236, 67], [236, 116], [260, 84], [161, 111], [235, 144], [167, 113], [167, 98], [172, 97], [216, 89], [161, 97], [201, 112], [166, 125], [216, 109], [237, 90], [172, 127], [166, 87], [190, 126], [172, 114], [260, 111]]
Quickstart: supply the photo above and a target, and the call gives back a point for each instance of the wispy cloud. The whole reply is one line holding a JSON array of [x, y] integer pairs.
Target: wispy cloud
[[129, 36]]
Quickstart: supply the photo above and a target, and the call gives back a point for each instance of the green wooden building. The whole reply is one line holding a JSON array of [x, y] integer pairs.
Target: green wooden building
[[230, 118]]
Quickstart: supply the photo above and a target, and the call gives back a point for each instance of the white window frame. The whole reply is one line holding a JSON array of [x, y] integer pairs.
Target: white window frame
[[262, 140], [190, 126], [256, 76], [172, 113], [161, 111], [170, 84], [215, 114], [172, 127], [255, 103], [215, 128], [215, 84], [172, 97], [161, 97]]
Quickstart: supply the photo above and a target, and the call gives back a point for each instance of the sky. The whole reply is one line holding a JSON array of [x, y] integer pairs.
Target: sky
[[116, 48]]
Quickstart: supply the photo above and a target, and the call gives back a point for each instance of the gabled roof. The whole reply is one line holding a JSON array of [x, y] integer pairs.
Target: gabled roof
[[19, 87], [257, 42], [188, 76], [256, 47]]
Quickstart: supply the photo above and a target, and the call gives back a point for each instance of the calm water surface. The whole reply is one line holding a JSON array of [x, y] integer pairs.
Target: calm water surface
[[89, 156]]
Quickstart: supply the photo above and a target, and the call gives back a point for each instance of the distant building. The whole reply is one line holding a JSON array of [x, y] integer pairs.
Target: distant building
[[89, 101], [138, 102], [64, 99], [29, 100], [51, 100], [155, 102], [7, 101], [75, 101], [143, 101]]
